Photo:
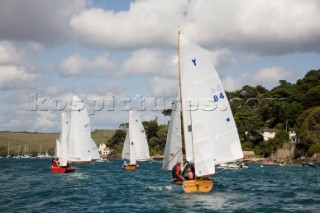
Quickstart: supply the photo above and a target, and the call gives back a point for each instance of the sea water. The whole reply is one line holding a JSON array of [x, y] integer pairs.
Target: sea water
[[27, 185]]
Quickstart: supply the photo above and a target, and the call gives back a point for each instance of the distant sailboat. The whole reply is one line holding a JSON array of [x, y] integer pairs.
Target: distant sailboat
[[18, 154], [75, 143], [80, 144], [25, 153], [210, 133], [135, 147], [61, 165], [8, 154]]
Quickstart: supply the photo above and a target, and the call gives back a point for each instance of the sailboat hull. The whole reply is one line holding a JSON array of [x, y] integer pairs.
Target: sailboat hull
[[190, 186], [62, 170], [131, 167]]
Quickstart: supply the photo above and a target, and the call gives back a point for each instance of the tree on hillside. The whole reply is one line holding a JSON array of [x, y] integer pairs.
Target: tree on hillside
[[308, 128], [124, 126], [312, 97], [247, 122], [151, 128], [117, 140], [279, 140], [311, 79]]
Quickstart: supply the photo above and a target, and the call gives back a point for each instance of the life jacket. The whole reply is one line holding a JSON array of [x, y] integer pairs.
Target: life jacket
[[54, 163], [178, 170], [190, 175]]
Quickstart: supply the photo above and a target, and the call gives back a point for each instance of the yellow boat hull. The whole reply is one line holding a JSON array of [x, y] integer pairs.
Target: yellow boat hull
[[204, 185]]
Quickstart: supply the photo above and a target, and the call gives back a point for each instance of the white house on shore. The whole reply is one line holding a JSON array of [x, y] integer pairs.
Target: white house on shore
[[104, 151], [268, 134]]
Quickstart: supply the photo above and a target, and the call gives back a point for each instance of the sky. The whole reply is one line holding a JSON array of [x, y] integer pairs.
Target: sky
[[109, 52]]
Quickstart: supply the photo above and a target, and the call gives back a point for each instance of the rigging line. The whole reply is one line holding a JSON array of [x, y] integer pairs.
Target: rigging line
[[173, 157]]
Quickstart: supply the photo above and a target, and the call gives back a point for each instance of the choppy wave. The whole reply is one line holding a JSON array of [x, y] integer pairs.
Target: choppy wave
[[27, 185]]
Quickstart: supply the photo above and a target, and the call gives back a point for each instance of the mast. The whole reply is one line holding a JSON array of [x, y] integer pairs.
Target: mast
[[180, 89], [129, 136], [8, 155], [191, 132]]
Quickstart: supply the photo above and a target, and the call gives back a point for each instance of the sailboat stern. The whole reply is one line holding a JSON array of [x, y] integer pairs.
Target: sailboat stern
[[62, 170], [131, 167], [202, 185]]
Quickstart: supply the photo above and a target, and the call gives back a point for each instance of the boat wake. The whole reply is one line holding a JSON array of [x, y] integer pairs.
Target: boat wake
[[160, 188]]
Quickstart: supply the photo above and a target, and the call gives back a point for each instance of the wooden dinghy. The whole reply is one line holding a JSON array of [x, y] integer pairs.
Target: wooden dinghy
[[202, 185], [131, 167], [61, 170]]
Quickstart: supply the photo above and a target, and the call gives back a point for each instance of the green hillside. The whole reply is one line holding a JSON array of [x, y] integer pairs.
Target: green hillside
[[43, 141]]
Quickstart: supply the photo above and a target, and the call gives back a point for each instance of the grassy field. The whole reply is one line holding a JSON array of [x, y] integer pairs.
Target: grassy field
[[43, 141]]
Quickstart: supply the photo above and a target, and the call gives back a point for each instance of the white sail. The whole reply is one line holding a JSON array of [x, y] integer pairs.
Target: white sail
[[128, 150], [94, 151], [173, 149], [138, 138], [79, 135], [57, 149], [132, 149], [135, 146], [211, 135], [62, 148], [126, 147]]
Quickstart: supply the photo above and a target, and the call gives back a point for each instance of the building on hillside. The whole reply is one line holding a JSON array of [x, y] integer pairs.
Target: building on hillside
[[104, 151], [268, 134], [293, 137]]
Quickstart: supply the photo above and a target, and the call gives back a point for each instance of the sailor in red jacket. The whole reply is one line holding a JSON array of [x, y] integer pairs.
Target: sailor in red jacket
[[55, 162], [176, 171]]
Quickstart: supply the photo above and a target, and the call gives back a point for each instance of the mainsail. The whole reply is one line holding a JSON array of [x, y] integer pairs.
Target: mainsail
[[79, 135], [210, 132], [135, 146], [138, 138]]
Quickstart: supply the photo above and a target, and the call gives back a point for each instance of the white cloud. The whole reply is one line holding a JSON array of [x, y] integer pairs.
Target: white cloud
[[46, 121], [267, 77], [272, 75], [107, 87], [150, 62], [77, 65], [231, 84], [146, 24], [9, 54], [12, 77], [263, 27], [269, 27], [37, 20], [164, 87], [54, 90]]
